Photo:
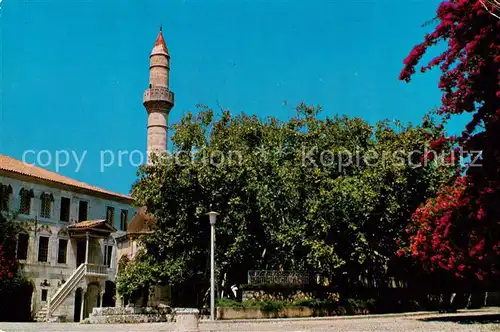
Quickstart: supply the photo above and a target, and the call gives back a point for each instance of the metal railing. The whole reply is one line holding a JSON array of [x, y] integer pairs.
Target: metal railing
[[278, 277]]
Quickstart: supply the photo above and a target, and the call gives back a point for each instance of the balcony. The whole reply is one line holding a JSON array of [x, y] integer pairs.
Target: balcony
[[96, 270], [158, 94]]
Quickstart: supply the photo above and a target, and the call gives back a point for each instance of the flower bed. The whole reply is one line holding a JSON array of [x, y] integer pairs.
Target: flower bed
[[230, 309]]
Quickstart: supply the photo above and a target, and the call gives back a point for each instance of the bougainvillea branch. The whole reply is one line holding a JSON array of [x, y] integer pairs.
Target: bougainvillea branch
[[7, 266], [459, 230], [492, 6]]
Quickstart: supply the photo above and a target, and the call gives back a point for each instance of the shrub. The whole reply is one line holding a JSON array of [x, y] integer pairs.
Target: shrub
[[272, 306], [229, 303]]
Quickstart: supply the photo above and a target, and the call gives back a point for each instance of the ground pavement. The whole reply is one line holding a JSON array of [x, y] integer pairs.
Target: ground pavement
[[477, 321]]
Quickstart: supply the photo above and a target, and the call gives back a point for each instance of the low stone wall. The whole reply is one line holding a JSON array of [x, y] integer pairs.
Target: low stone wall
[[118, 315], [255, 313]]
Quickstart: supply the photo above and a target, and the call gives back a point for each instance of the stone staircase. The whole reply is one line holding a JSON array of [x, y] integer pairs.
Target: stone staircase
[[65, 290], [41, 315]]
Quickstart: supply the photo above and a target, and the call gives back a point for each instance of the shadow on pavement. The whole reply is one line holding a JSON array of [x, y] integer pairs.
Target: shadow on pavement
[[467, 319]]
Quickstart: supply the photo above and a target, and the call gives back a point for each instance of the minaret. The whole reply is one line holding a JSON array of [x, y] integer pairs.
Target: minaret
[[158, 100]]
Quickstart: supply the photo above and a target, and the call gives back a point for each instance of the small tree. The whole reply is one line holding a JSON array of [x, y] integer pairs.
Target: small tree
[[135, 277]]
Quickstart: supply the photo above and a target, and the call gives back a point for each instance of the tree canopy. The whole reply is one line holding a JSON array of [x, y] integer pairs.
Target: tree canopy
[[331, 195]]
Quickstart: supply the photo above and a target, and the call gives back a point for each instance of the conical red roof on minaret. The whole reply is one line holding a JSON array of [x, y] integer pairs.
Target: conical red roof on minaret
[[160, 45]]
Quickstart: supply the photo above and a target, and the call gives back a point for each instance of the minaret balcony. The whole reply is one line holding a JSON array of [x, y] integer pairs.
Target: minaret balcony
[[158, 94]]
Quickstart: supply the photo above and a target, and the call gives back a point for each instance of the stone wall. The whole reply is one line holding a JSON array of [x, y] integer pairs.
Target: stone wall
[[254, 313], [66, 311], [128, 315], [96, 205], [261, 295]]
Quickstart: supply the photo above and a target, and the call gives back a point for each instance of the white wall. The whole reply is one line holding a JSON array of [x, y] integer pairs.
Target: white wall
[[54, 229], [96, 206]]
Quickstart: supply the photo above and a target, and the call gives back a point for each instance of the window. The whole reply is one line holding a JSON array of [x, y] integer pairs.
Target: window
[[43, 249], [44, 295], [65, 207], [25, 205], [46, 206], [108, 251], [124, 220], [63, 249], [110, 215], [83, 210], [22, 246], [5, 192]]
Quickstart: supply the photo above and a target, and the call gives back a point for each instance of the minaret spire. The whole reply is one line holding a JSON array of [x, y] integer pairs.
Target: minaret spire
[[158, 99]]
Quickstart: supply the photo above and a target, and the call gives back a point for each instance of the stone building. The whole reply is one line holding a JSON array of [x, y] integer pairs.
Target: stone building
[[67, 247], [128, 246], [141, 225]]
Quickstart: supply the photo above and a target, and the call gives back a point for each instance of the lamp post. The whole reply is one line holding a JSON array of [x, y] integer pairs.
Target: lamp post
[[213, 218]]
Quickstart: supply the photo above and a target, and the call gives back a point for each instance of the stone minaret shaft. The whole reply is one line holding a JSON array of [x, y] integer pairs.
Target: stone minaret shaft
[[158, 99]]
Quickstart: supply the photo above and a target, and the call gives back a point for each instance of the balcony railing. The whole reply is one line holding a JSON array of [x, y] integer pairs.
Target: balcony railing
[[96, 270], [158, 93]]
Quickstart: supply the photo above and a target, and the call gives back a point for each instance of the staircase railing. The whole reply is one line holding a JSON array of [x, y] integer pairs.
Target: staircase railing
[[73, 281], [61, 294]]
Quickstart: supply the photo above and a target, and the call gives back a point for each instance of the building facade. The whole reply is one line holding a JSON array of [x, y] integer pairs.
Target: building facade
[[67, 245], [74, 233]]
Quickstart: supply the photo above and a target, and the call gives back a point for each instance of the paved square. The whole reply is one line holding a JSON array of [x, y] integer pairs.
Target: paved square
[[473, 321]]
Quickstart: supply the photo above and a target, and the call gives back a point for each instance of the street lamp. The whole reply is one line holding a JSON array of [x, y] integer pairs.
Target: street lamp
[[213, 218]]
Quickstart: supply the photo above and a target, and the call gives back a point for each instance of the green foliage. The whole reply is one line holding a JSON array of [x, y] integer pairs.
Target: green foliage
[[273, 306], [286, 193], [228, 303], [266, 306], [134, 276], [381, 303]]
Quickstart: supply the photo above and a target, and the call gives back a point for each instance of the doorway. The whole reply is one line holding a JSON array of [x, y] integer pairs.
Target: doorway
[[81, 246], [78, 305], [108, 300]]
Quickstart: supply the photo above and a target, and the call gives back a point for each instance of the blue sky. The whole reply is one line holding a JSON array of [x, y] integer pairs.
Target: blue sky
[[73, 72]]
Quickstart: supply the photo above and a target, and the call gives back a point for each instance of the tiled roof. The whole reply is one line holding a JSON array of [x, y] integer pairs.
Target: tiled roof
[[10, 164], [88, 224], [142, 223]]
